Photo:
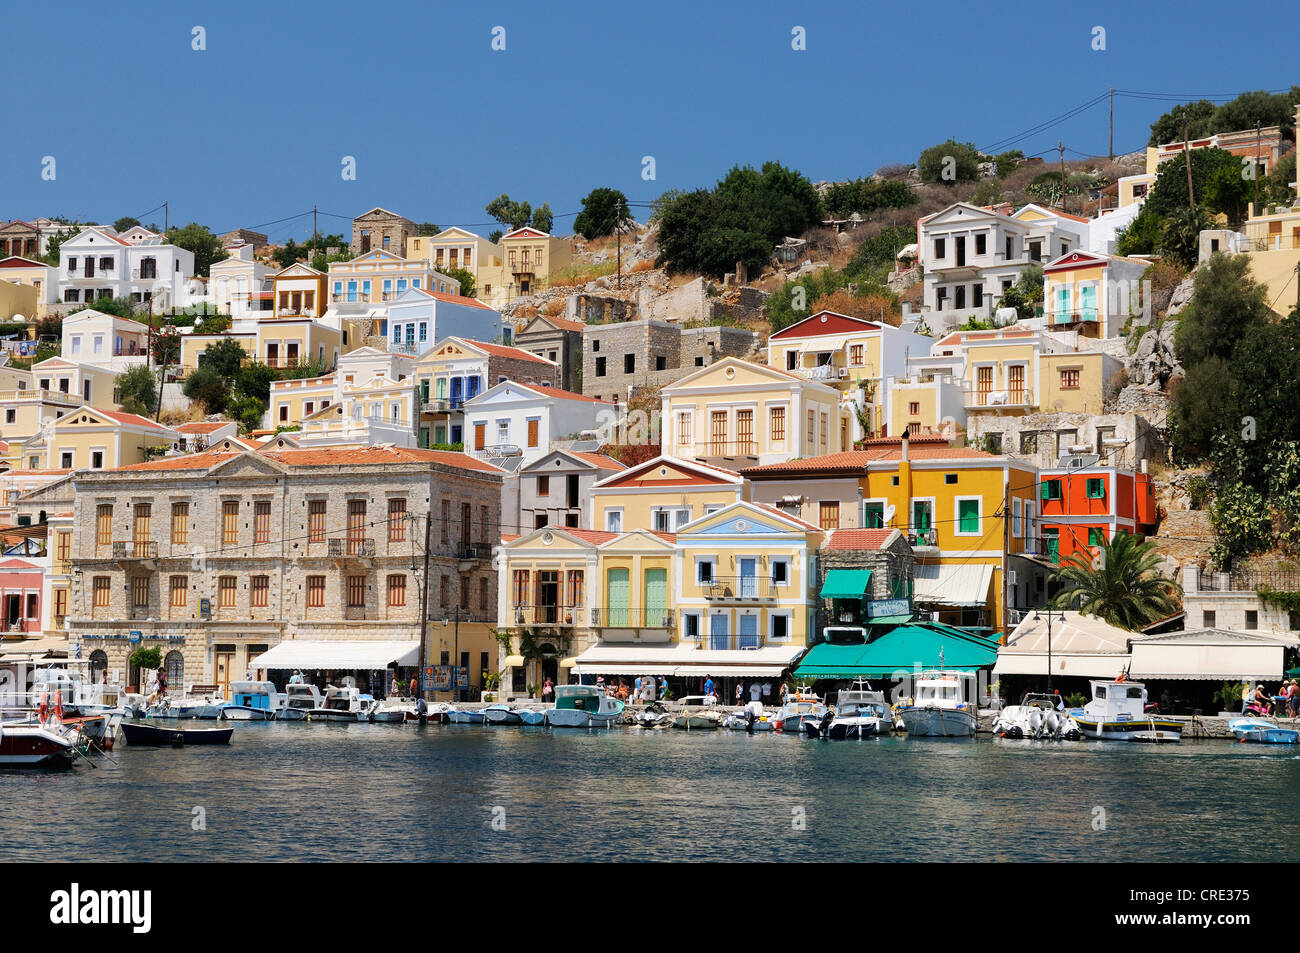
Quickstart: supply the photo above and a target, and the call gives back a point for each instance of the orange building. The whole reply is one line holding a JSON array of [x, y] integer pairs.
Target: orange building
[[1082, 506]]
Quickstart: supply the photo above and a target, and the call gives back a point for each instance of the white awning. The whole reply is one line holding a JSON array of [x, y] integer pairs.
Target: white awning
[[686, 660], [1085, 666], [341, 654], [1211, 655], [1081, 645], [964, 584]]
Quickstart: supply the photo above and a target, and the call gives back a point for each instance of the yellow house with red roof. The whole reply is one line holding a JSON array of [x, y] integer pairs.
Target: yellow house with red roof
[[733, 412], [89, 438], [529, 257], [662, 494]]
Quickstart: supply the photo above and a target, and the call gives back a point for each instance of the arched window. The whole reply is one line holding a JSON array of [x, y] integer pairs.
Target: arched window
[[174, 665], [98, 666]]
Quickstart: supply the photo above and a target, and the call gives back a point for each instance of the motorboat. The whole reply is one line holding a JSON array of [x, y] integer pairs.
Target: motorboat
[[466, 716], [435, 714], [393, 711], [1116, 713], [753, 717], [654, 715], [301, 702], [532, 716], [200, 707], [583, 706], [31, 744], [939, 708], [502, 714], [252, 701], [1039, 715], [802, 706], [858, 713], [706, 719], [343, 703], [1259, 731], [141, 735]]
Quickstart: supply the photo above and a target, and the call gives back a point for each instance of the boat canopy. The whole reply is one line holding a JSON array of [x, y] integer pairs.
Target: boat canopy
[[900, 652], [348, 654], [846, 584]]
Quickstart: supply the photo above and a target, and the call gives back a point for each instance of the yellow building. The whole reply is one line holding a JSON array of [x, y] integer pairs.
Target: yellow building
[[529, 257], [294, 342], [380, 276], [89, 438], [38, 284], [662, 494], [458, 248], [292, 400], [16, 299], [947, 501], [299, 291], [22, 415], [733, 411], [92, 384]]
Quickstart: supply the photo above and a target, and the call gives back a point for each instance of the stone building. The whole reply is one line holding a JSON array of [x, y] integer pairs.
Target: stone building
[[1119, 440], [381, 230], [884, 553], [247, 236], [1231, 601], [559, 340], [618, 358], [216, 557]]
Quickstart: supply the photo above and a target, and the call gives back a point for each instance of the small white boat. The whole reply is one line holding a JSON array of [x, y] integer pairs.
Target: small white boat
[[583, 706], [859, 713], [198, 706], [1037, 716], [465, 716], [1117, 713], [798, 708], [30, 744], [1259, 731], [753, 717], [393, 711], [654, 715], [532, 716], [502, 714], [939, 709], [252, 701], [301, 702], [706, 719]]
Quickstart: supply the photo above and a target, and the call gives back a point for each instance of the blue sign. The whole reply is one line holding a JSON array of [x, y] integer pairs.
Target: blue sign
[[437, 678], [134, 636], [880, 607], [462, 676]]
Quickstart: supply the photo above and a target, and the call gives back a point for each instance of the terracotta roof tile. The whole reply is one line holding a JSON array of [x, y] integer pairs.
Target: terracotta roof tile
[[456, 299], [502, 350], [134, 419], [857, 538], [883, 451], [601, 460], [795, 519], [203, 426]]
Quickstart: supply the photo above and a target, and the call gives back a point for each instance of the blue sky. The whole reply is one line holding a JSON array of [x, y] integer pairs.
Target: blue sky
[[254, 128]]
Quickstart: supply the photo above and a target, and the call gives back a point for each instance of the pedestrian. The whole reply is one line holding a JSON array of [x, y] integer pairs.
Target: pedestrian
[[1293, 699], [1247, 696], [248, 674], [663, 686], [708, 687], [740, 694], [785, 692], [415, 687], [636, 689], [547, 690], [754, 691], [162, 681], [1164, 702]]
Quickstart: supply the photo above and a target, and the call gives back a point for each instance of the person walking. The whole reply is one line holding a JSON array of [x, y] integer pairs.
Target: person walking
[[740, 694], [548, 690], [663, 685], [415, 687]]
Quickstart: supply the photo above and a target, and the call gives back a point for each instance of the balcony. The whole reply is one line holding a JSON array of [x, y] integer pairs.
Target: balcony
[[922, 538], [724, 643], [1013, 397], [439, 406], [356, 547], [726, 449], [135, 549], [1076, 316], [558, 615], [823, 372], [295, 312], [729, 588], [473, 550], [623, 617]]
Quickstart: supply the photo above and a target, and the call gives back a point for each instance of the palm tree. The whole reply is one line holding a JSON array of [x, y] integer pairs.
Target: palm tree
[[1123, 587]]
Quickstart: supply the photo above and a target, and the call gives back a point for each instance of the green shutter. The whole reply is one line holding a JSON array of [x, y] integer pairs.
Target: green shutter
[[617, 589], [968, 516], [875, 516], [1052, 539], [656, 596], [1051, 489], [1095, 537], [1096, 488]]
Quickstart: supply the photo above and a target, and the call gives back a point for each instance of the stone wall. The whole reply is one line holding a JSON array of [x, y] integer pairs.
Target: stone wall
[[1041, 439], [522, 371], [660, 353]]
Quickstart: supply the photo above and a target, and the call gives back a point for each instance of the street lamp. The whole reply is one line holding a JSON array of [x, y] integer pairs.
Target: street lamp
[[1037, 618]]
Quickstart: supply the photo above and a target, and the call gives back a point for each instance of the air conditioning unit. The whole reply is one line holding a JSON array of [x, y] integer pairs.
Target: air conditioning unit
[[1011, 577]]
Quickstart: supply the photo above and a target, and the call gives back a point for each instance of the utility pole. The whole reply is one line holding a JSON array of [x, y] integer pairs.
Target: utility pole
[[166, 213], [1187, 158], [424, 598], [315, 232], [1060, 148], [618, 230], [1111, 145], [1256, 175], [1006, 558]]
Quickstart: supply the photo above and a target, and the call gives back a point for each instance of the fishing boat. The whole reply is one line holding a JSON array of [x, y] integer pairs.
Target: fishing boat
[[393, 711], [532, 716], [252, 701], [753, 717], [802, 706], [583, 706], [859, 712], [705, 719], [1037, 716], [143, 735], [1259, 731], [939, 708], [301, 702], [343, 703], [1116, 713], [435, 714], [199, 707], [30, 744], [502, 714]]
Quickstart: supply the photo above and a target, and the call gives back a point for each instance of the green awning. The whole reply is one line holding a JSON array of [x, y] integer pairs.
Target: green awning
[[831, 661], [846, 583], [1293, 672], [889, 619], [908, 647]]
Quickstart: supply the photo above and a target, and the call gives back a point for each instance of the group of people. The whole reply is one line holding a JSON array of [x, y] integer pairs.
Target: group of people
[[643, 690], [1287, 699]]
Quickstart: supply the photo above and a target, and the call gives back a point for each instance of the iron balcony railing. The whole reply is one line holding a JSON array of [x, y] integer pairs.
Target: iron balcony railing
[[550, 614], [1249, 581], [1071, 315], [628, 617], [922, 537], [722, 643], [474, 551], [135, 549], [998, 397], [741, 587], [351, 546]]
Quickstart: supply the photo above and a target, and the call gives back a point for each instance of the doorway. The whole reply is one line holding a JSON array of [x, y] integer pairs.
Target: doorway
[[223, 663]]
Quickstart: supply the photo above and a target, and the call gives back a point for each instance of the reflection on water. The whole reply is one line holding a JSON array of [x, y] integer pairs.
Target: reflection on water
[[383, 792]]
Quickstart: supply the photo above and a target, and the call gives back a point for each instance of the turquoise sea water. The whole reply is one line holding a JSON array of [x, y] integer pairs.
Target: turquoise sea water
[[290, 791]]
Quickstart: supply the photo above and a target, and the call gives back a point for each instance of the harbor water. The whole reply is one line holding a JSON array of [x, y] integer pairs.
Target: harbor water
[[294, 792]]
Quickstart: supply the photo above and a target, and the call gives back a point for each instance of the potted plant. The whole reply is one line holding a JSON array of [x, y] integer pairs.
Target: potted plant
[[145, 659], [532, 691]]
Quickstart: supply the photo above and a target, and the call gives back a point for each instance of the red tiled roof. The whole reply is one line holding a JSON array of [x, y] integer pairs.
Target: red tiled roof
[[324, 457], [562, 394], [920, 449], [194, 461], [857, 538], [601, 460], [825, 322], [134, 419], [793, 519], [203, 426], [502, 350], [565, 324], [456, 299]]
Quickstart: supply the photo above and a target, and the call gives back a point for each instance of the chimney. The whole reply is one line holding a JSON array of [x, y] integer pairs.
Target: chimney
[[905, 433]]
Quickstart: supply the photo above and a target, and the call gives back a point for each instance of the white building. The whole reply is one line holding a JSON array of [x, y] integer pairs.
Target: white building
[[419, 318], [240, 286], [511, 420], [96, 264], [104, 340]]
